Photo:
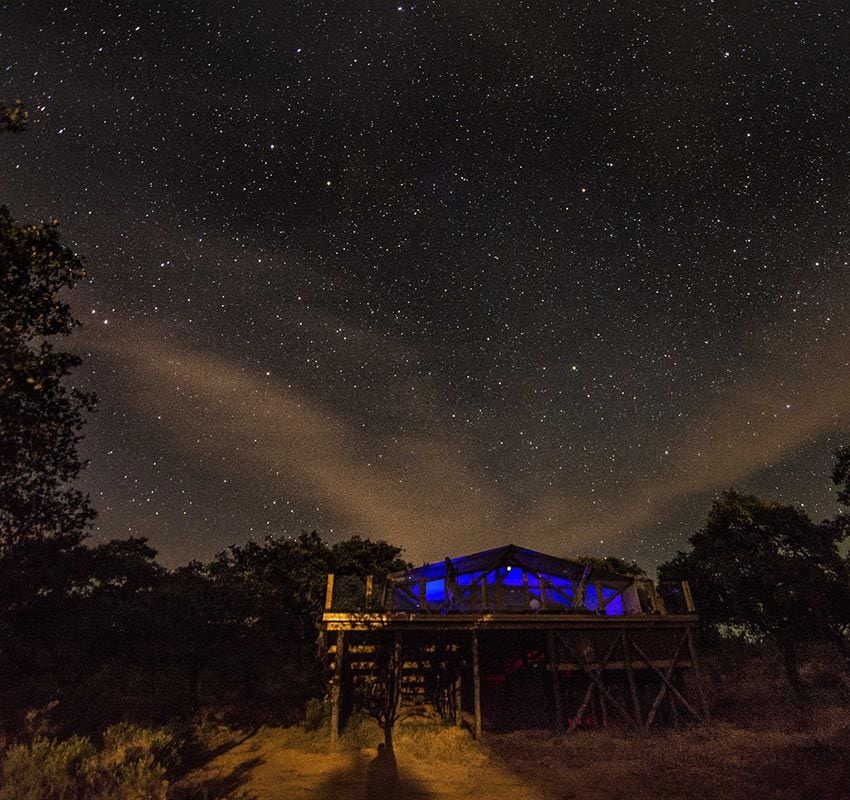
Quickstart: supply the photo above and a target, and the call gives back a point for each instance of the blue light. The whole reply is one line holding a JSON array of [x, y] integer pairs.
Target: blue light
[[435, 591], [614, 605], [512, 578]]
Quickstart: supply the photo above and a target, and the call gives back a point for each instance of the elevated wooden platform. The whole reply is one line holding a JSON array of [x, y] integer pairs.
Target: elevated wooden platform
[[475, 636]]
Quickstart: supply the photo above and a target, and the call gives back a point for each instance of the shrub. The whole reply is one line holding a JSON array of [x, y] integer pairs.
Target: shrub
[[317, 715], [47, 770], [129, 766]]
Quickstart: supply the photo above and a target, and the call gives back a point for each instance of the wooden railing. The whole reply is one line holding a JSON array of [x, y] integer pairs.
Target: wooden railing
[[643, 596]]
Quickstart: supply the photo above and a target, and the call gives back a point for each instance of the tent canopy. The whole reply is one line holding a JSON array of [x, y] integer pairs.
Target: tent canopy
[[512, 579]]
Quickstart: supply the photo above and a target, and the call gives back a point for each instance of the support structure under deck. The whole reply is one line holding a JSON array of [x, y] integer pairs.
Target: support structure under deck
[[633, 670]]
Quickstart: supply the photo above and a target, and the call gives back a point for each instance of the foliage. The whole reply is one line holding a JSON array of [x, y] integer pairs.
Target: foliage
[[40, 417], [613, 564], [381, 698], [128, 766], [317, 714], [13, 118], [283, 580], [841, 474], [43, 517], [767, 570]]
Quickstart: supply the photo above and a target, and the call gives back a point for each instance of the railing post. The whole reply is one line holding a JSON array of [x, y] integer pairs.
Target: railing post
[[329, 592], [336, 684], [689, 598], [476, 685]]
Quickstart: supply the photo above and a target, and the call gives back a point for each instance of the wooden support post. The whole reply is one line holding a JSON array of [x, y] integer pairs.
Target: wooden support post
[[458, 700], [630, 677], [336, 683], [671, 699], [602, 707], [329, 592], [484, 593], [422, 594], [398, 668], [597, 683], [368, 591], [556, 681], [666, 683], [476, 685], [692, 650]]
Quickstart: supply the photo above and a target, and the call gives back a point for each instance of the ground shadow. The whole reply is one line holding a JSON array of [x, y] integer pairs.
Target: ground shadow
[[378, 779], [221, 787]]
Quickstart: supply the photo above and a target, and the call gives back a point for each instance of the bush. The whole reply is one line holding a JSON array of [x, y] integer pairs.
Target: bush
[[317, 715], [47, 770], [129, 766]]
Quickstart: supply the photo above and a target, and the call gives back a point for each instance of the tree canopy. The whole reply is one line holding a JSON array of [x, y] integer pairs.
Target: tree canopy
[[768, 571], [841, 474], [41, 418], [614, 564], [13, 118]]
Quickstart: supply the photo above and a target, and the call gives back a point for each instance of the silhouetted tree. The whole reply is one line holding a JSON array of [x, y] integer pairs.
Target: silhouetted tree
[[276, 591], [768, 571], [381, 697], [41, 418], [13, 118], [841, 474], [613, 564], [43, 516]]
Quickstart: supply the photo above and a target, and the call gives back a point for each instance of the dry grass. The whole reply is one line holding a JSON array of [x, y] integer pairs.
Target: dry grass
[[719, 761], [761, 748]]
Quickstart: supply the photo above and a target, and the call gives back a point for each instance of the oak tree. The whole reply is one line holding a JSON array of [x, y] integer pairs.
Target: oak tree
[[767, 571]]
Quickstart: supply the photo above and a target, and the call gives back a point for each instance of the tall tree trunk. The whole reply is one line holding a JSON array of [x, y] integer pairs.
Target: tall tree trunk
[[788, 649]]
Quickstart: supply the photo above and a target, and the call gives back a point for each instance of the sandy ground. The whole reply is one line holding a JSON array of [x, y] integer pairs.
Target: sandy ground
[[716, 762], [283, 765]]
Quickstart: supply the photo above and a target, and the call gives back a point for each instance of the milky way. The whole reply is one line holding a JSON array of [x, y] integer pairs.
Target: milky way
[[450, 274]]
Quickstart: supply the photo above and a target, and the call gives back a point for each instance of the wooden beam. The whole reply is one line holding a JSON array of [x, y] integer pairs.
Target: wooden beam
[[657, 599], [697, 675], [329, 592], [666, 683], [630, 677], [336, 683], [476, 685], [597, 682], [580, 591], [556, 681], [689, 598]]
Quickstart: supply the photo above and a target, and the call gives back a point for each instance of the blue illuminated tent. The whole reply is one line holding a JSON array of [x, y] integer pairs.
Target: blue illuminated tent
[[512, 580]]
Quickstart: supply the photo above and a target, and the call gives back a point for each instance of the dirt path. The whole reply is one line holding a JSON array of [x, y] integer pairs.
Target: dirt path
[[715, 762], [274, 765]]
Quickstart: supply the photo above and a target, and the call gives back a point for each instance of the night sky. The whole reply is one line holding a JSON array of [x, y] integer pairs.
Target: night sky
[[451, 274]]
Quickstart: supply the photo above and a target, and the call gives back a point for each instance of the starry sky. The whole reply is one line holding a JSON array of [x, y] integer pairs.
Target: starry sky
[[453, 274]]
